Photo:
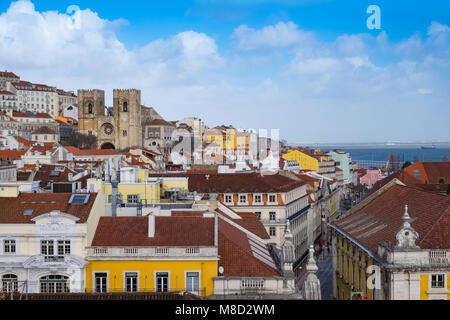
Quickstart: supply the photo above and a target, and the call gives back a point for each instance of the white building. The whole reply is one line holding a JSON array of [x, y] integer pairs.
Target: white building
[[43, 246], [36, 98], [8, 100]]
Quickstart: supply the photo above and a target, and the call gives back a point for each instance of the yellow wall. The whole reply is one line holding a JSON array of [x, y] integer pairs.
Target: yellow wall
[[9, 191], [147, 191], [345, 262], [306, 162], [147, 269], [172, 183], [425, 286]]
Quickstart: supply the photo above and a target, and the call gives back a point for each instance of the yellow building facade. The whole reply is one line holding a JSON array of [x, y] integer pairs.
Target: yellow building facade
[[305, 161], [147, 274], [351, 282]]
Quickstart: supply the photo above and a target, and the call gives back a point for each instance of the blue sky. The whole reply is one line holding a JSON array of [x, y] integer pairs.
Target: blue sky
[[309, 68]]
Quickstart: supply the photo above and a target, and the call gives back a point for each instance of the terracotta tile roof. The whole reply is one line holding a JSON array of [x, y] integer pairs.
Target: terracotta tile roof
[[305, 177], [44, 130], [338, 169], [42, 150], [100, 152], [361, 172], [251, 222], [431, 172], [4, 92], [379, 219], [400, 175], [159, 122], [24, 141], [75, 151], [44, 174], [20, 115], [237, 257], [23, 175], [180, 213], [169, 231], [43, 116], [12, 209], [6, 74], [240, 182], [11, 154]]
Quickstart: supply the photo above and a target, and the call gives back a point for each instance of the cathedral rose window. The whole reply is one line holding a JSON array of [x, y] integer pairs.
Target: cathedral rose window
[[108, 129]]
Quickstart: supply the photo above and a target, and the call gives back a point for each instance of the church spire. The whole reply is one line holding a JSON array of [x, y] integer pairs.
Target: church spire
[[406, 236]]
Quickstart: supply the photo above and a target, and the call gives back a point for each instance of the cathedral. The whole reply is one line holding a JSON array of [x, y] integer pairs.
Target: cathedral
[[121, 129]]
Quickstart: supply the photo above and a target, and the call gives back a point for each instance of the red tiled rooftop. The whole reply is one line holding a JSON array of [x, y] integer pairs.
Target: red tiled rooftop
[[4, 92], [379, 219], [169, 231], [236, 255], [101, 152], [75, 151], [12, 209], [6, 74], [11, 154]]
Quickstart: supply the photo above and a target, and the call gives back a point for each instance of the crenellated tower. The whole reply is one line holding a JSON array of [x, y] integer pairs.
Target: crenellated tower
[[127, 118]]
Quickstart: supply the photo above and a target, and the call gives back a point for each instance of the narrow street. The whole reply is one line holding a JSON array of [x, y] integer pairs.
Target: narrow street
[[325, 274]]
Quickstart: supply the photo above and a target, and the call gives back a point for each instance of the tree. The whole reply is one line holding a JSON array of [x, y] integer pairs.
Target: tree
[[81, 141], [406, 164]]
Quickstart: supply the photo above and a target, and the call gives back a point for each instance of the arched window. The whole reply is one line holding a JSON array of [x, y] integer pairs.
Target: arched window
[[54, 284], [90, 108], [9, 283], [125, 107]]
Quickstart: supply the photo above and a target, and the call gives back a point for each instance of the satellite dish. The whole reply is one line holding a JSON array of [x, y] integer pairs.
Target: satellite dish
[[221, 270]]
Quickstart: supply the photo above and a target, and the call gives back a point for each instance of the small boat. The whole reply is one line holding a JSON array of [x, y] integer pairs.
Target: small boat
[[428, 147]]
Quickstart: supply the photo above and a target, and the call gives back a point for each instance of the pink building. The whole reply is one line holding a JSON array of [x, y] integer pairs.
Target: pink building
[[371, 176]]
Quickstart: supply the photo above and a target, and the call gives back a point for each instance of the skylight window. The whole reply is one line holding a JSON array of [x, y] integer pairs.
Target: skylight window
[[417, 174], [79, 199], [55, 173], [28, 212]]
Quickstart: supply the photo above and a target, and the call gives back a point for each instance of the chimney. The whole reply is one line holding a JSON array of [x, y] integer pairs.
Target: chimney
[[70, 176], [114, 185], [151, 226]]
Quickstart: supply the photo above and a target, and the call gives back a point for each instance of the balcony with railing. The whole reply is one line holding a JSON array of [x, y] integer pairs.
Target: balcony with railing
[[151, 252], [439, 257]]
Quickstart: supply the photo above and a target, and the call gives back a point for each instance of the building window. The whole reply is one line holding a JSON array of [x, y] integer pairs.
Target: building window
[[9, 283], [258, 198], [90, 108], [228, 198], [47, 248], [9, 246], [272, 216], [101, 280], [132, 198], [162, 282], [54, 284], [243, 198], [124, 133], [63, 247], [131, 280], [193, 282], [125, 107], [258, 214], [437, 281], [272, 198], [272, 231]]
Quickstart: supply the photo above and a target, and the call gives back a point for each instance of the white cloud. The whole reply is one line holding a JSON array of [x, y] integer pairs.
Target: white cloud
[[333, 84], [280, 35]]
